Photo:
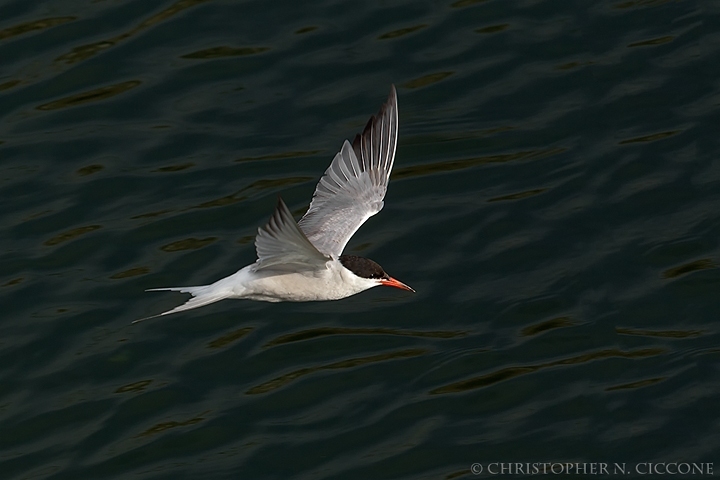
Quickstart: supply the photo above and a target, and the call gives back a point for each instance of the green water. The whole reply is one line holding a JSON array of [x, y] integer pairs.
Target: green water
[[554, 203]]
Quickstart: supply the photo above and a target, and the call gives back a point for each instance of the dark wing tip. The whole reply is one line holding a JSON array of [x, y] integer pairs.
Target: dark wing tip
[[390, 103], [274, 224], [392, 98], [283, 211]]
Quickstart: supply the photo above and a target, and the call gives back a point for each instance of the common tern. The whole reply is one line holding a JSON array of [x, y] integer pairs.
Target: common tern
[[303, 261]]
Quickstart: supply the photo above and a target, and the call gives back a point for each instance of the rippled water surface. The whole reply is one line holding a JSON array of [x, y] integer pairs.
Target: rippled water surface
[[554, 203]]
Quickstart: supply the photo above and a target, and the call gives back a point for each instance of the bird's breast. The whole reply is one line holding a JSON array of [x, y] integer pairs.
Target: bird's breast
[[300, 287]]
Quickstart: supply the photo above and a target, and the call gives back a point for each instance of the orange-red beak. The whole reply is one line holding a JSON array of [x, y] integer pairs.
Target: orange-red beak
[[391, 282]]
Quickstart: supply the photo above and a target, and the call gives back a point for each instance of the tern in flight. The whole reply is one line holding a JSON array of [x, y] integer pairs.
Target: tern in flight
[[303, 261]]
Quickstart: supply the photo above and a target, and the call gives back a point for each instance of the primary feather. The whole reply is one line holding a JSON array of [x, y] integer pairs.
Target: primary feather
[[354, 185]]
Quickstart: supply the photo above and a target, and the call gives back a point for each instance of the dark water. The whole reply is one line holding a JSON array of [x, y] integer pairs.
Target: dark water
[[554, 203]]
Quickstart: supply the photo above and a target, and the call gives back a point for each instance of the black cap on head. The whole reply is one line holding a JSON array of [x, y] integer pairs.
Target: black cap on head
[[363, 267]]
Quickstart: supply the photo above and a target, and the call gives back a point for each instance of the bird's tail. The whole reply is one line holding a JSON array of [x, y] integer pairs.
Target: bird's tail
[[201, 296]]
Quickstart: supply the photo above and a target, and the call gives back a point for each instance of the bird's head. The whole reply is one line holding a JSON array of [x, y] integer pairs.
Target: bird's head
[[367, 269]]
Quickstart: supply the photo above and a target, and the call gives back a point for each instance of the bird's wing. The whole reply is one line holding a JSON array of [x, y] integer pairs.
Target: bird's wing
[[353, 187], [281, 243]]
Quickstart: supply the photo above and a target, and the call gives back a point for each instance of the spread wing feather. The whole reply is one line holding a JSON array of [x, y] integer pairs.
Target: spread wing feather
[[281, 243], [353, 187]]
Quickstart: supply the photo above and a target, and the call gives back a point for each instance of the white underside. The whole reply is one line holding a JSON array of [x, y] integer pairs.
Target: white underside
[[331, 283], [278, 285]]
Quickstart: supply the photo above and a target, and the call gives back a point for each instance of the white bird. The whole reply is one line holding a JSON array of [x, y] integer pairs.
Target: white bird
[[301, 262]]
